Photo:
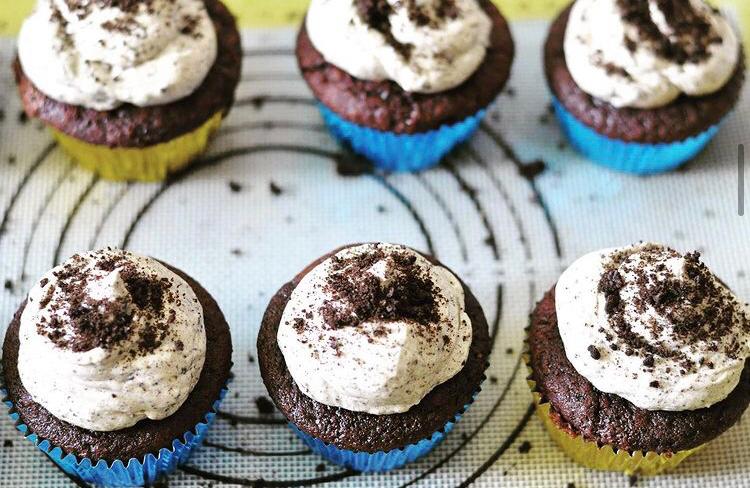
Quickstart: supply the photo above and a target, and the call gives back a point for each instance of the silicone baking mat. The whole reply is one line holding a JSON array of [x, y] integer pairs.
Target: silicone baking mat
[[508, 211]]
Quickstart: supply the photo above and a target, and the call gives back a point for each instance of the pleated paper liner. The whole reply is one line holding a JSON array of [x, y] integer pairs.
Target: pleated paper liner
[[630, 157], [390, 151], [126, 472], [602, 457], [380, 461], [150, 163]]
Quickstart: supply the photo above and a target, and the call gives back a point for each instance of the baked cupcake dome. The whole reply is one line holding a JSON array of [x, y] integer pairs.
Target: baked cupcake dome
[[398, 129], [627, 138], [357, 439], [131, 142], [605, 430], [139, 453]]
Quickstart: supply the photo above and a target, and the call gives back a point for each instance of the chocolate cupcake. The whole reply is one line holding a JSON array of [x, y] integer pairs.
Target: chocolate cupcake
[[638, 358], [642, 85], [403, 82], [131, 89], [115, 365], [373, 352]]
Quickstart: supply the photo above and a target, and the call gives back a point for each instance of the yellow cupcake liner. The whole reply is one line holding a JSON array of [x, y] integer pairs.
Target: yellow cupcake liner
[[592, 455], [150, 163]]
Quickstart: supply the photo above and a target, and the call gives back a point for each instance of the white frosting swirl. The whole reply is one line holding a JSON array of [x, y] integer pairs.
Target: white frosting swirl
[[110, 338], [442, 52], [379, 366], [99, 55], [611, 59], [682, 338]]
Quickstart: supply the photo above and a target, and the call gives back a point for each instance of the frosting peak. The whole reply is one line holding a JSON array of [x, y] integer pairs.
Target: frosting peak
[[646, 53], [425, 46], [118, 332], [103, 53], [653, 326], [374, 329]]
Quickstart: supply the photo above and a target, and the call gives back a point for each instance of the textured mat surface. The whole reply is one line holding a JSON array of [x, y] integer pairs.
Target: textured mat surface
[[268, 199]]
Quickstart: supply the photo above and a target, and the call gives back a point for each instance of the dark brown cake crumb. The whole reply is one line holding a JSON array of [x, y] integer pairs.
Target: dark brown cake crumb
[[264, 405], [533, 169], [275, 189], [103, 322], [594, 351], [675, 298], [692, 34], [359, 296], [525, 447], [376, 14], [235, 187]]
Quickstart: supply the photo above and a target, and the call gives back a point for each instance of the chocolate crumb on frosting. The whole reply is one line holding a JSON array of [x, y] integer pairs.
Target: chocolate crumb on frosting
[[594, 351], [691, 33], [376, 14], [105, 322], [358, 296], [699, 309]]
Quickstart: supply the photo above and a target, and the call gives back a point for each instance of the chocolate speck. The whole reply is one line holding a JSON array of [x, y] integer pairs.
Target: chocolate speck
[[7, 443], [22, 117], [235, 187], [8, 285], [533, 169], [276, 190], [594, 351], [525, 447], [348, 163], [264, 405]]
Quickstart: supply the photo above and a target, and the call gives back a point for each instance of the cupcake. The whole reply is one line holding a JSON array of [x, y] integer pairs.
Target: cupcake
[[402, 83], [373, 353], [642, 85], [115, 365], [638, 358], [131, 90]]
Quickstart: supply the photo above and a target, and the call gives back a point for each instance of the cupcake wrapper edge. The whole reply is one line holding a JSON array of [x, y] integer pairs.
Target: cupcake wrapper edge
[[379, 461], [601, 457], [390, 151], [132, 472], [629, 157], [150, 163]]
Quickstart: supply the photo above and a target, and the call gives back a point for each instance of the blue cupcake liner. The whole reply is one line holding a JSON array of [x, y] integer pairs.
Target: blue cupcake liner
[[379, 461], [390, 151], [629, 157], [133, 472]]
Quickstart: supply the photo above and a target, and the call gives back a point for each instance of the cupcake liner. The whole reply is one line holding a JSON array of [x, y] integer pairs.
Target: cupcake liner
[[150, 163], [390, 151], [379, 461], [131, 472], [601, 457], [629, 157]]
